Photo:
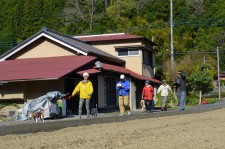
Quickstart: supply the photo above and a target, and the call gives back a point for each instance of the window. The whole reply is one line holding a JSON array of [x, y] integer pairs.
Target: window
[[148, 57], [133, 52], [123, 53], [128, 52]]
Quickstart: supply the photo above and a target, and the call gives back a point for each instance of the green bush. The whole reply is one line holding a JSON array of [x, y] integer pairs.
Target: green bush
[[192, 98], [170, 97]]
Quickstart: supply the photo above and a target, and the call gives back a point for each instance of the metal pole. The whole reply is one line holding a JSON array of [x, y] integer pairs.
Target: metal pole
[[171, 36], [218, 68]]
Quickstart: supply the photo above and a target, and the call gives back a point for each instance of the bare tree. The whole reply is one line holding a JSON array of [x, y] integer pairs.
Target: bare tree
[[196, 6], [80, 10], [140, 5]]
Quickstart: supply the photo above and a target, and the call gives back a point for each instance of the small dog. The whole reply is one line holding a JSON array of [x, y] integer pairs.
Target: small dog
[[37, 115], [142, 103], [94, 112]]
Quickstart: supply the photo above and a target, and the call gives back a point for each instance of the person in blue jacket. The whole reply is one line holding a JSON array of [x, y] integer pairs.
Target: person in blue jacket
[[123, 88]]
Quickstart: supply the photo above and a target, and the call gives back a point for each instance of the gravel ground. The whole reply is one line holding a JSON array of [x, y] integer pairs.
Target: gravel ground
[[200, 131]]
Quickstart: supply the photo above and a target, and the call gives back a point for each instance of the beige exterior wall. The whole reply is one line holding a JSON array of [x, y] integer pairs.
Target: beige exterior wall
[[30, 89], [44, 48], [110, 48], [133, 63], [12, 90], [38, 88]]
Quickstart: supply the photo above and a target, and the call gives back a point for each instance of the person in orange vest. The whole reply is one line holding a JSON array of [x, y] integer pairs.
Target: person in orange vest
[[147, 95]]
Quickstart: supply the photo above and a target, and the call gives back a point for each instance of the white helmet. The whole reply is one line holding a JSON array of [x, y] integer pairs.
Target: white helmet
[[85, 74], [122, 76]]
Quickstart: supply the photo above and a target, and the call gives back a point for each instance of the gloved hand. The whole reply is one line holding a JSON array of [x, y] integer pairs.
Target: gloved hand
[[71, 96]]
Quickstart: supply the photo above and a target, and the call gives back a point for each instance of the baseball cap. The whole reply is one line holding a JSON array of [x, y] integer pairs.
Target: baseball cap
[[122, 76], [163, 81], [85, 74], [147, 81]]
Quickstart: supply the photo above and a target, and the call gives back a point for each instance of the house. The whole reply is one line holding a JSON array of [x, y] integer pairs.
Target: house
[[222, 76], [137, 51], [51, 61]]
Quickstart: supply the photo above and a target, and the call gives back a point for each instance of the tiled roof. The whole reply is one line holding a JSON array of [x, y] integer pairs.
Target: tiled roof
[[41, 68], [129, 72], [70, 41]]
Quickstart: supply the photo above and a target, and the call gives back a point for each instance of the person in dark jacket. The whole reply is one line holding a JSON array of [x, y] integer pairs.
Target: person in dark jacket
[[180, 84], [123, 88]]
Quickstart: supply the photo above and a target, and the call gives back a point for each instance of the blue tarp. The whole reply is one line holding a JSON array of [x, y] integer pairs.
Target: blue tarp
[[47, 102]]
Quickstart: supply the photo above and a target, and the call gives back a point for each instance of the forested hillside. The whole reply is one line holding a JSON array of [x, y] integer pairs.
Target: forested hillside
[[199, 25]]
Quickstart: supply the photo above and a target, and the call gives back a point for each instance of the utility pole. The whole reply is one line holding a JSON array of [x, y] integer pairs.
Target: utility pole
[[171, 36], [218, 68]]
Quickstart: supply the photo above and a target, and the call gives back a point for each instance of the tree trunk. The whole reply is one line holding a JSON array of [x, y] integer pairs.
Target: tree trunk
[[200, 97]]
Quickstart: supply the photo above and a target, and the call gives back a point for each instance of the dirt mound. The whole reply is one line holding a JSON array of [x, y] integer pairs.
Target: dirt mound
[[6, 110]]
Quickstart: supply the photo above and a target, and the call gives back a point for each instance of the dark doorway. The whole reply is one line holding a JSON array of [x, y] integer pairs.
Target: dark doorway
[[110, 91], [73, 103]]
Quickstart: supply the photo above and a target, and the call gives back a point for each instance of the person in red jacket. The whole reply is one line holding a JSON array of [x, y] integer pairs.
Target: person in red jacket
[[147, 95]]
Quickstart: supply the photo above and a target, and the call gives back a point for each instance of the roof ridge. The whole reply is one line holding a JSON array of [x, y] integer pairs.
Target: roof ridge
[[113, 34], [61, 34], [50, 31]]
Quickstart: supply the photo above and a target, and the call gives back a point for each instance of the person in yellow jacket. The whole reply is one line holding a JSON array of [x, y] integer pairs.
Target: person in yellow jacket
[[85, 89]]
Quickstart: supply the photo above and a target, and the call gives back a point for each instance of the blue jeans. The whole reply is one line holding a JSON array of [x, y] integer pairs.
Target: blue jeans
[[181, 99], [87, 102], [148, 105]]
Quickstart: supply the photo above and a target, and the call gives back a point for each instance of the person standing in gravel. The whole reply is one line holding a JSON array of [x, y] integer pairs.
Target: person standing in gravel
[[180, 85], [147, 95], [164, 89], [123, 89], [85, 89]]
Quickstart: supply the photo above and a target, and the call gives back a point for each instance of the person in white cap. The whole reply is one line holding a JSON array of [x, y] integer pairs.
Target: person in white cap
[[85, 89], [164, 89], [123, 88]]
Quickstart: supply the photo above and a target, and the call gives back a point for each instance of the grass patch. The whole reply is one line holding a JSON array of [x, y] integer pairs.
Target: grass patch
[[211, 100]]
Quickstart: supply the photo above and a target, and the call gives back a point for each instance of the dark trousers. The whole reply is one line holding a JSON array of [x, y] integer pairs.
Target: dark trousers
[[148, 105]]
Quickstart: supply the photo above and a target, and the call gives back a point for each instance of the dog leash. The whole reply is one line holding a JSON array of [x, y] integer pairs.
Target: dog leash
[[53, 104]]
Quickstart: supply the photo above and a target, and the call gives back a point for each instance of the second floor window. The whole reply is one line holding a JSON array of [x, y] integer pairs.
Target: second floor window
[[128, 52], [148, 57]]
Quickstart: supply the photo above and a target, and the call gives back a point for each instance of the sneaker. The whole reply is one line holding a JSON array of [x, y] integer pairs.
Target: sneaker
[[128, 112], [122, 114], [79, 117]]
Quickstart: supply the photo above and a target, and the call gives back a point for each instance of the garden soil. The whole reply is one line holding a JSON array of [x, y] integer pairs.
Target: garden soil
[[191, 131]]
